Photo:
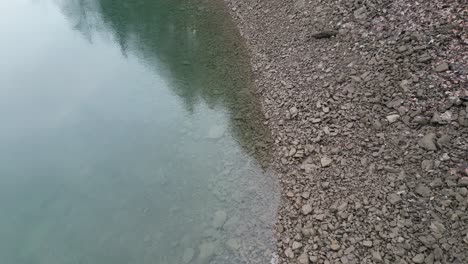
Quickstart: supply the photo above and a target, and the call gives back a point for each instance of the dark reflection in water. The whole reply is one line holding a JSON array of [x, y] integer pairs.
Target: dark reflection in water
[[195, 42], [129, 137]]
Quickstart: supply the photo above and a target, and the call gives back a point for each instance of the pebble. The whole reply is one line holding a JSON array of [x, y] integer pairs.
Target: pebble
[[376, 256], [367, 243], [427, 142], [419, 258], [303, 259], [442, 67], [335, 246], [444, 140], [392, 118], [325, 161], [289, 253], [463, 182], [313, 259], [394, 198], [296, 245], [423, 190], [306, 209]]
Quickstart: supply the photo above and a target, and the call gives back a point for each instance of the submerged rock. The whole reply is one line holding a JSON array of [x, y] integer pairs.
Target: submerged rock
[[219, 219], [188, 255], [216, 132]]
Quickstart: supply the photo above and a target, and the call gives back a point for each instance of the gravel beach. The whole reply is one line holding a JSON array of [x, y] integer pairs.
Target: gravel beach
[[367, 103]]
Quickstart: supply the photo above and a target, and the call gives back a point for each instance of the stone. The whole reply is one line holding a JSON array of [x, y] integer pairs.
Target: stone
[[219, 219], [367, 243], [392, 118], [442, 67], [216, 132], [443, 118], [444, 140], [303, 259], [313, 259], [427, 165], [306, 209], [188, 255], [325, 34], [445, 157], [376, 256], [325, 161], [427, 142], [360, 13], [423, 190], [393, 198], [463, 182], [289, 253], [296, 245], [207, 250], [438, 253], [437, 227], [419, 258], [429, 259], [233, 244], [437, 182], [335, 246], [424, 58], [293, 111]]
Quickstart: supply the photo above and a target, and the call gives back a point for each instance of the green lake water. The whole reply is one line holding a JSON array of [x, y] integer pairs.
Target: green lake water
[[129, 135]]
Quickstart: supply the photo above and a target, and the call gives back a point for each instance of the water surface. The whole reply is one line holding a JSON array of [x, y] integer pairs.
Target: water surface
[[129, 135]]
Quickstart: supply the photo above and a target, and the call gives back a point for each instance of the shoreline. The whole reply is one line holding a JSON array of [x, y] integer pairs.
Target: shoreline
[[367, 106]]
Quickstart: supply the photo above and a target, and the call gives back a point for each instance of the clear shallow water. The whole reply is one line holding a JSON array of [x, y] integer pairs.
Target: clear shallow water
[[129, 135]]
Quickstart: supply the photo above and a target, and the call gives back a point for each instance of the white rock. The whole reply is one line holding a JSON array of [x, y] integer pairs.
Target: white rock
[[393, 118], [325, 161]]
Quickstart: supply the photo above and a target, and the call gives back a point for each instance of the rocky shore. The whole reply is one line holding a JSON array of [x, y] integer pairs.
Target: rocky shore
[[367, 103]]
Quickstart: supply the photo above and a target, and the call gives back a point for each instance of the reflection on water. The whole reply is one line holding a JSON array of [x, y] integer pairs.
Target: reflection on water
[[129, 135]]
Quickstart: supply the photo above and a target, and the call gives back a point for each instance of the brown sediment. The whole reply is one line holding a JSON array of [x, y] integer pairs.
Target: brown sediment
[[367, 105]]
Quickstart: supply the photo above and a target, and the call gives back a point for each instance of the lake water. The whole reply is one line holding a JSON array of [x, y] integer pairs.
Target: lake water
[[129, 136]]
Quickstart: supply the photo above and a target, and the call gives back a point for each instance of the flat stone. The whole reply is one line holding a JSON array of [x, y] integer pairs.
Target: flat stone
[[296, 245], [393, 118], [367, 243], [427, 165], [442, 67], [335, 246], [303, 259], [427, 142], [463, 182], [306, 209], [325, 34], [313, 259], [424, 58], [437, 227], [325, 161], [423, 190], [376, 256], [394, 198], [419, 258], [444, 140], [289, 253]]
